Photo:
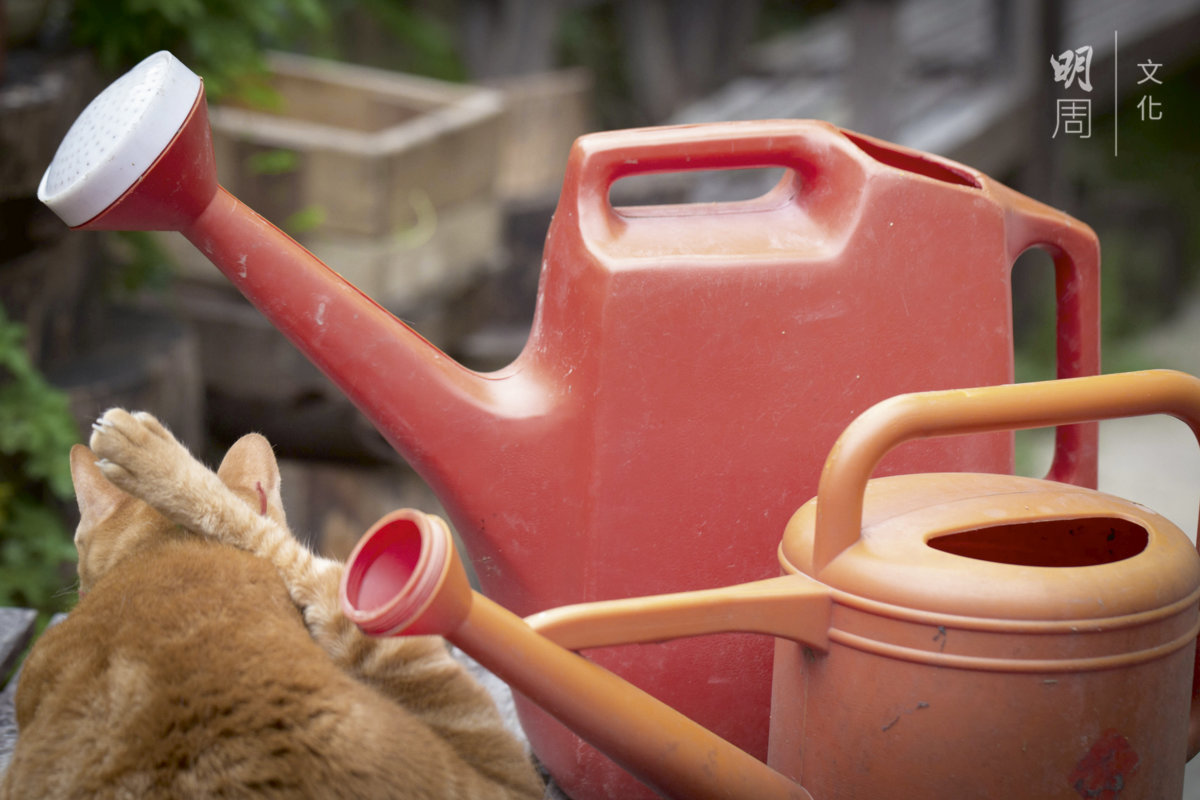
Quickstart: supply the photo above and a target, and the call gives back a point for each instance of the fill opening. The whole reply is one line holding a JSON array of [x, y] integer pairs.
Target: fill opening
[[1085, 542]]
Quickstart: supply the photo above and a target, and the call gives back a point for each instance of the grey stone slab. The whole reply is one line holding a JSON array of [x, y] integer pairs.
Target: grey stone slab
[[16, 628]]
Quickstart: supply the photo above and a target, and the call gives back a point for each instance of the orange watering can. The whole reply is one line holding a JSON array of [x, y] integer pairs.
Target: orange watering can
[[687, 365], [937, 635]]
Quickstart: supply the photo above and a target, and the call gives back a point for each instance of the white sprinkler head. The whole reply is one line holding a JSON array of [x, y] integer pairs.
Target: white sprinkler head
[[117, 137]]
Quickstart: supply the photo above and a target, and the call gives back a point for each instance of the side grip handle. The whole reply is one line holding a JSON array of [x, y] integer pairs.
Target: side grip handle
[[926, 415], [830, 168], [793, 607], [1075, 251]]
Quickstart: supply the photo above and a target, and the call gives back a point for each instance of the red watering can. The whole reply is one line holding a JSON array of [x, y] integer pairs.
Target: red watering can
[[686, 367], [938, 635]]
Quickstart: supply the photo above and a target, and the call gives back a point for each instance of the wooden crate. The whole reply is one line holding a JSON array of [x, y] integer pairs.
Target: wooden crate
[[389, 178], [544, 113]]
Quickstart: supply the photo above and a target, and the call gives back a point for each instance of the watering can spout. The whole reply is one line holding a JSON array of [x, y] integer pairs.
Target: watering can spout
[[404, 577], [140, 157]]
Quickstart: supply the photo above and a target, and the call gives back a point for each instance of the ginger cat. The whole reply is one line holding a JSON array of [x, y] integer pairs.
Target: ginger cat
[[187, 671]]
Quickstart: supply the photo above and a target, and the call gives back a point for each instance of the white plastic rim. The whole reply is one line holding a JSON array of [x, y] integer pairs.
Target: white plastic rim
[[117, 137]]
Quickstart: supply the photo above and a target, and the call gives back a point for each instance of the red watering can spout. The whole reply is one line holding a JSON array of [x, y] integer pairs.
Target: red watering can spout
[[140, 157], [405, 577]]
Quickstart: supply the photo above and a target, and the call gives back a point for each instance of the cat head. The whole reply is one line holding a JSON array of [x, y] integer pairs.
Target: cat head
[[113, 525]]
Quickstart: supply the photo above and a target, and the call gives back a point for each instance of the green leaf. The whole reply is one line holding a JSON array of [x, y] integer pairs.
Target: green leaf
[[273, 162], [36, 434], [306, 219]]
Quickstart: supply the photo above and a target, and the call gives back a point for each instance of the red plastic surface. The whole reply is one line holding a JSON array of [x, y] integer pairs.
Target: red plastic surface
[[175, 189], [688, 369]]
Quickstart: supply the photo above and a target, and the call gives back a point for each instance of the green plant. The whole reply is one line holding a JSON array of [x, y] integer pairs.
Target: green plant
[[222, 40], [142, 263], [420, 34], [36, 434]]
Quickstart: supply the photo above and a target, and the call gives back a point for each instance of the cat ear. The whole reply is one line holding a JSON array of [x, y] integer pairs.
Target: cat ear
[[97, 497], [249, 468]]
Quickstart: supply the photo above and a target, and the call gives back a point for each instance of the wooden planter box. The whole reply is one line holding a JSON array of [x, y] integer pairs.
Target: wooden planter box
[[388, 178], [544, 113]]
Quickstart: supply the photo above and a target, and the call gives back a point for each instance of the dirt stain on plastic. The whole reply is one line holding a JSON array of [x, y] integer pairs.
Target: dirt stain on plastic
[[1104, 770], [941, 637]]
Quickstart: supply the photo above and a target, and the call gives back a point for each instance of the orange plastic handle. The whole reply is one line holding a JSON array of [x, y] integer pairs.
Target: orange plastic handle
[[1030, 405], [791, 607], [924, 415], [1075, 251]]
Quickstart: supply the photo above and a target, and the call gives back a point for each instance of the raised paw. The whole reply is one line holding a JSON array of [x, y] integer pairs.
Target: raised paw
[[136, 452]]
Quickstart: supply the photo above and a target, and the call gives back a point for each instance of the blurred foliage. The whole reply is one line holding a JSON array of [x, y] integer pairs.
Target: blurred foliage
[[222, 40], [779, 15], [590, 36], [1145, 203], [280, 161], [1142, 204], [306, 219], [36, 434], [141, 263], [413, 37]]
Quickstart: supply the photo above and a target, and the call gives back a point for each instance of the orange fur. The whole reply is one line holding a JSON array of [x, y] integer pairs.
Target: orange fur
[[187, 671]]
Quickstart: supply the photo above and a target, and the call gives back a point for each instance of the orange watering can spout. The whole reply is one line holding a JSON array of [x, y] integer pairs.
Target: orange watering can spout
[[140, 157], [405, 577]]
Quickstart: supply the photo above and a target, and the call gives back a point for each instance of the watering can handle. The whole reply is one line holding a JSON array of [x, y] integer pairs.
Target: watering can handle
[[1075, 251], [1028, 405], [924, 415], [818, 152]]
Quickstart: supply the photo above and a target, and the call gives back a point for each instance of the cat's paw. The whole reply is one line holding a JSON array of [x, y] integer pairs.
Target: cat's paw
[[135, 448]]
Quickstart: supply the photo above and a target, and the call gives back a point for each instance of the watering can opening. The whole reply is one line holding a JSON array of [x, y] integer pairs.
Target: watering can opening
[[1085, 542], [402, 574], [391, 559], [910, 161]]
